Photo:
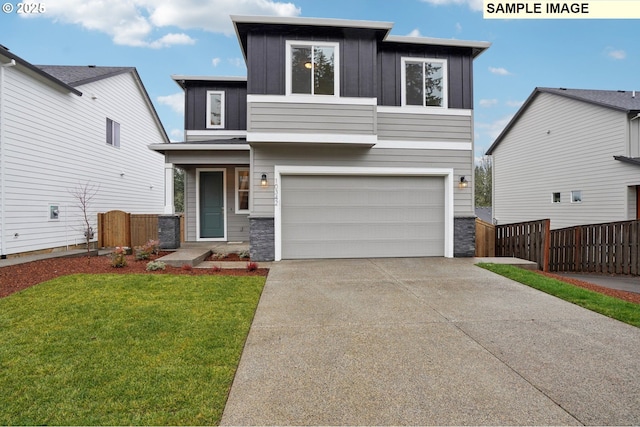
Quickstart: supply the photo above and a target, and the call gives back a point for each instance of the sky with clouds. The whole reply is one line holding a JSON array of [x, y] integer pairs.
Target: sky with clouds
[[196, 37]]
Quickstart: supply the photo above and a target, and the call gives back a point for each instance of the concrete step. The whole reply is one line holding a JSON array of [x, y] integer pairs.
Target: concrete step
[[188, 256]]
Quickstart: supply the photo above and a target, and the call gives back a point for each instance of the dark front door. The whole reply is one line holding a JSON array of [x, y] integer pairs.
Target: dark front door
[[211, 204]]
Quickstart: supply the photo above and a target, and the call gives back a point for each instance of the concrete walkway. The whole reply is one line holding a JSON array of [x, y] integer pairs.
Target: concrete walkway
[[428, 342]]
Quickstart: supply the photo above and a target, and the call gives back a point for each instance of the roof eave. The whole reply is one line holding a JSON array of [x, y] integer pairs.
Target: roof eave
[[38, 71], [477, 46]]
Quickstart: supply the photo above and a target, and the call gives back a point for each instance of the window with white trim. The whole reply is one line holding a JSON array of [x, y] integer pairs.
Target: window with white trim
[[312, 68], [215, 109], [424, 82], [113, 133], [576, 196], [242, 190]]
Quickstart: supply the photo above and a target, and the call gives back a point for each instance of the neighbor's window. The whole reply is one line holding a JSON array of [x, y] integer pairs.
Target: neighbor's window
[[312, 68], [576, 196], [215, 109], [113, 133], [555, 198], [54, 212], [242, 190], [424, 82]]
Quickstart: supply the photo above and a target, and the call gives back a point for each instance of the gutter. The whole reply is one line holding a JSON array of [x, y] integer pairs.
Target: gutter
[[12, 63]]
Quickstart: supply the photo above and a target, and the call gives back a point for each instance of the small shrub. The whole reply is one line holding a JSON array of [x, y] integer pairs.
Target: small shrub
[[187, 267], [244, 254], [216, 268], [252, 266], [145, 251], [218, 256], [156, 265], [118, 257]]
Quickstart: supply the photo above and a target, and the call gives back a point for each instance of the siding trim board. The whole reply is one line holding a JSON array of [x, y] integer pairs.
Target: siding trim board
[[425, 110], [310, 99], [327, 138], [446, 173]]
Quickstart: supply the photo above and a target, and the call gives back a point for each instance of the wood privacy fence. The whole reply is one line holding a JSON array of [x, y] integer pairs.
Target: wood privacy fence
[[118, 228], [525, 240], [485, 239], [595, 248]]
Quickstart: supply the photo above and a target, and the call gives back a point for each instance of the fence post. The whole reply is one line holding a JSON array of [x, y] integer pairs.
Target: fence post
[[100, 229], [546, 245]]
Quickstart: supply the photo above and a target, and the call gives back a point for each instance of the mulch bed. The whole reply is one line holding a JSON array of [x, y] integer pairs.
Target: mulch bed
[[623, 295], [14, 278]]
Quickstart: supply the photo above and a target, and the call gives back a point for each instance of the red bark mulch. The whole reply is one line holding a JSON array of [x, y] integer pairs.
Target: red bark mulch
[[14, 278], [623, 295]]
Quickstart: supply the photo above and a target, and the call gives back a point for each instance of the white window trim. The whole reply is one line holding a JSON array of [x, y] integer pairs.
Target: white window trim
[[446, 173], [224, 195], [552, 200], [445, 81], [114, 141], [336, 65], [237, 190], [576, 191], [222, 109]]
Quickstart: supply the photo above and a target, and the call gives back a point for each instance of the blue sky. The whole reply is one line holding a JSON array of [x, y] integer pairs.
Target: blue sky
[[195, 37]]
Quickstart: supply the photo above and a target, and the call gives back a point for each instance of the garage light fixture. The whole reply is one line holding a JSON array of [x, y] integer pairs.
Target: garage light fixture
[[263, 181], [463, 182]]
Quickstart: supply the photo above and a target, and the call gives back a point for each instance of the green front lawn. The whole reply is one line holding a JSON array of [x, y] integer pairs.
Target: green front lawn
[[123, 349], [612, 307]]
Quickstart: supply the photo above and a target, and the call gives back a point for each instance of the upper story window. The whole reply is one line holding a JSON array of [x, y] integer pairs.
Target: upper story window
[[312, 68], [424, 82], [215, 109], [113, 133]]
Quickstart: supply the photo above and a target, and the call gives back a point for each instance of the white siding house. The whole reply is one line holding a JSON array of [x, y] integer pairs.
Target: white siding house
[[571, 156], [64, 127]]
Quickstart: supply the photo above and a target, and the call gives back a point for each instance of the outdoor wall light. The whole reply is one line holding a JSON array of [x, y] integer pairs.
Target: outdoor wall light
[[263, 180], [463, 182]]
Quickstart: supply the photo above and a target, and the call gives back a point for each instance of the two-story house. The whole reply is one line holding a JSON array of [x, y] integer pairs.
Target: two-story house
[[63, 128], [570, 155], [343, 141]]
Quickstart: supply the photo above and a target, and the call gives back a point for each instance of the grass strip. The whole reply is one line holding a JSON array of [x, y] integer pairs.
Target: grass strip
[[615, 308], [123, 349]]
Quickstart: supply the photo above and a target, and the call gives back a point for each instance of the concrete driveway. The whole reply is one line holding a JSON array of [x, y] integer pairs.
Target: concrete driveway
[[426, 342]]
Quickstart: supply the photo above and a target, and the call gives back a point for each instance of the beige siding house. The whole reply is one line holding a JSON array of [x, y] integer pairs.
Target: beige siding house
[[569, 155], [342, 142]]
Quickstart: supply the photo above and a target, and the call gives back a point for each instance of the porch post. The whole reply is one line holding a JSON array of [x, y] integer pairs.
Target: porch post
[[169, 208]]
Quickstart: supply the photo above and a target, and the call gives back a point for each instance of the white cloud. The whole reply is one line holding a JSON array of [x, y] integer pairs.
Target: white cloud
[[488, 102], [493, 129], [414, 33], [616, 53], [458, 27], [176, 135], [499, 71], [473, 4], [175, 102], [236, 62], [131, 22], [215, 62], [516, 104], [172, 39]]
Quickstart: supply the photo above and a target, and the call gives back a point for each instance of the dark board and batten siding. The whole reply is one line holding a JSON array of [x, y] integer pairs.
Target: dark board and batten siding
[[266, 62], [235, 95], [459, 67]]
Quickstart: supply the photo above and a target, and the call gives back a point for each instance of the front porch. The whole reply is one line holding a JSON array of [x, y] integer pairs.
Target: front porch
[[195, 253]]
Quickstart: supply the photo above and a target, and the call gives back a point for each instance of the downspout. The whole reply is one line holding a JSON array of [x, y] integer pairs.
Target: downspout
[[2, 166]]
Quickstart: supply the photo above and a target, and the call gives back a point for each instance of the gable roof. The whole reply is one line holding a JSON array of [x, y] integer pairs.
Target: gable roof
[[12, 58], [620, 100], [243, 24], [74, 75]]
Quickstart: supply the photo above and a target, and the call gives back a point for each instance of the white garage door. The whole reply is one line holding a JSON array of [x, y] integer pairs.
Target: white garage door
[[353, 216]]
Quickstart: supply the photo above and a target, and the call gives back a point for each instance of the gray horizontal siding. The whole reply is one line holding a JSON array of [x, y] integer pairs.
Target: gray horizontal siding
[[237, 224], [422, 127], [264, 160], [560, 145], [294, 117]]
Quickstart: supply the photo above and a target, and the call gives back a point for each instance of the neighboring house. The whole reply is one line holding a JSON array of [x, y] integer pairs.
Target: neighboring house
[[62, 127], [343, 141], [569, 155]]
